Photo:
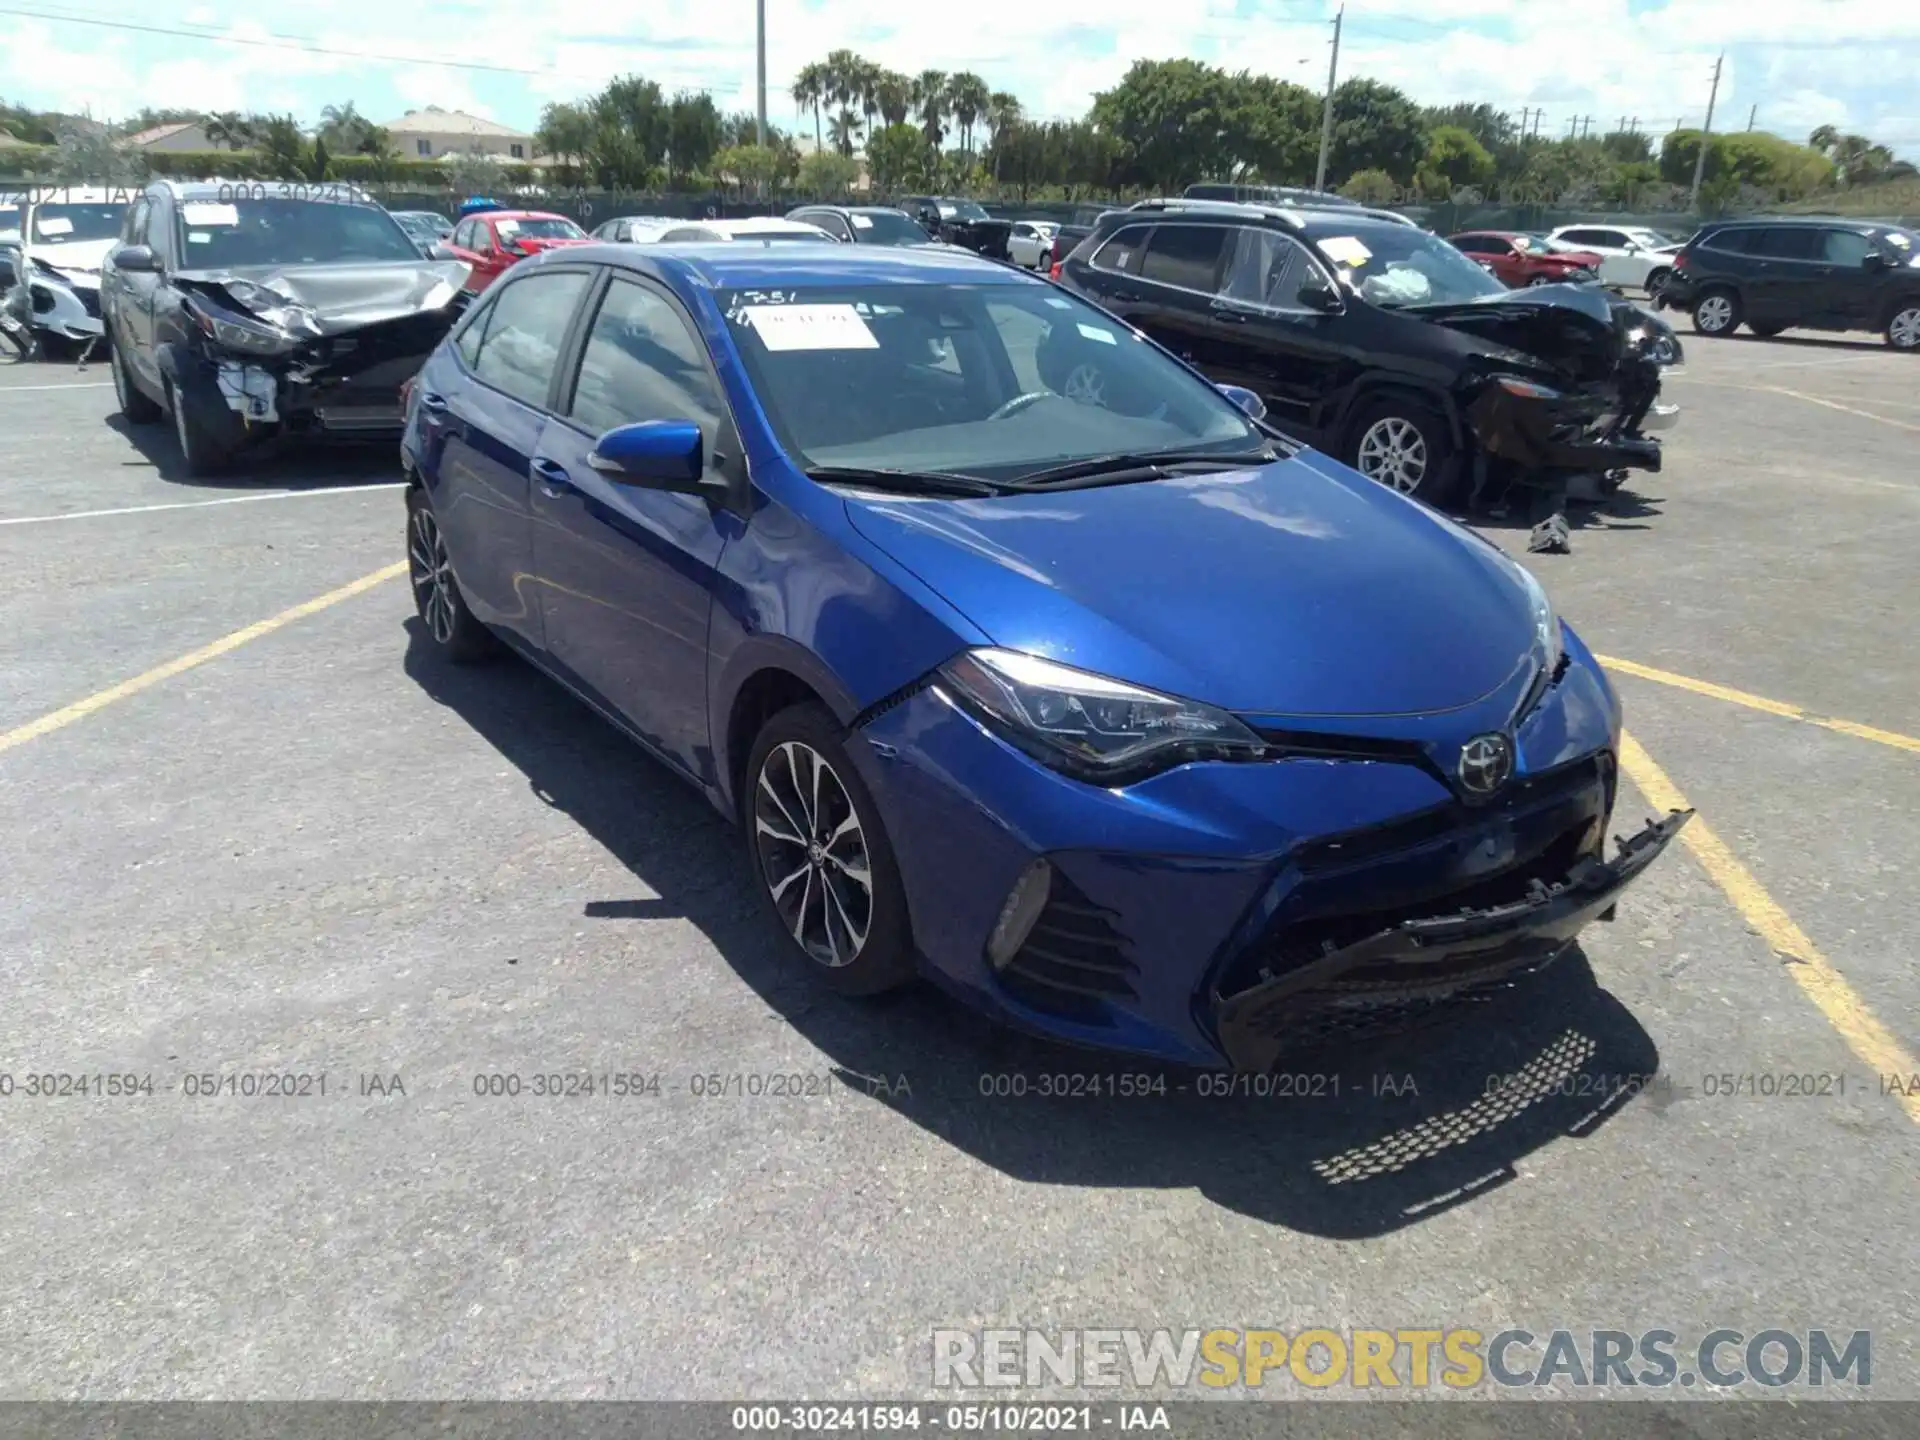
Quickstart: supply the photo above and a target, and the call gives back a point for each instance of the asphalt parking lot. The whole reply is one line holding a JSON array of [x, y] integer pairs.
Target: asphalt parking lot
[[252, 828]]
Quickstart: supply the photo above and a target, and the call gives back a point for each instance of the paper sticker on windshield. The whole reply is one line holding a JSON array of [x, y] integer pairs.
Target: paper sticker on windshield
[[810, 327], [53, 225], [1346, 250], [1057, 303], [862, 222], [206, 213], [1894, 237], [1094, 332]]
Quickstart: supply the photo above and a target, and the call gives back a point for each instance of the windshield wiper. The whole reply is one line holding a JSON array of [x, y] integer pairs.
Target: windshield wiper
[[1121, 468], [907, 482]]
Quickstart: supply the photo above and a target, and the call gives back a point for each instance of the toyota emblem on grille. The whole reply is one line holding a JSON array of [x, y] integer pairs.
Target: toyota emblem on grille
[[1486, 763]]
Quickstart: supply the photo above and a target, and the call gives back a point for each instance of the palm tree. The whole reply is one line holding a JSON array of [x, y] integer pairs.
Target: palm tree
[[930, 96], [809, 89], [231, 129], [1003, 118], [844, 129], [967, 98], [893, 95], [843, 89], [867, 87]]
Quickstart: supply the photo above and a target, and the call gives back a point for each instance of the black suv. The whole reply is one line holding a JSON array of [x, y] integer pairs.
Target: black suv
[[246, 310], [1385, 346], [1779, 273]]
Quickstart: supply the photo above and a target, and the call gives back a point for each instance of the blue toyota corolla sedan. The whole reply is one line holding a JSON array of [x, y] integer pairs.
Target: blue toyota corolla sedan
[[1025, 659]]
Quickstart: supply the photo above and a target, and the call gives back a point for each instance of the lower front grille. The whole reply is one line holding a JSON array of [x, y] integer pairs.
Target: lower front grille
[[1074, 959]]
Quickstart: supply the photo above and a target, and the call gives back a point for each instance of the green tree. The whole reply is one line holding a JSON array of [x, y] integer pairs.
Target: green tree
[[898, 158], [1454, 160], [231, 129], [751, 168], [1171, 121], [1370, 187], [89, 153], [317, 162], [1271, 129], [348, 132], [285, 152], [475, 172], [809, 92], [1376, 127], [566, 134], [968, 99], [693, 134], [828, 175], [893, 97], [149, 118], [930, 100], [845, 76], [631, 125]]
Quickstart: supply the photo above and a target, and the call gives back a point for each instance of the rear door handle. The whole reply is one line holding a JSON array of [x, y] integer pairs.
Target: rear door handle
[[553, 478]]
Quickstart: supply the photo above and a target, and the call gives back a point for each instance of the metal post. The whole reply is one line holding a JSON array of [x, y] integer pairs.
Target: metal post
[[760, 115], [1326, 113], [1706, 131]]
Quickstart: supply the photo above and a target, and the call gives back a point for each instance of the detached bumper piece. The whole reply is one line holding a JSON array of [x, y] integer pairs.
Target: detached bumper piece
[[1398, 975]]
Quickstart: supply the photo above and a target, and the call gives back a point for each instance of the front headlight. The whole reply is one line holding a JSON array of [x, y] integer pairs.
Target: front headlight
[[1093, 728], [1546, 623]]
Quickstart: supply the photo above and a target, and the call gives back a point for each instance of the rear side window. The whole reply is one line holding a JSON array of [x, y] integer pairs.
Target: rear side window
[[687, 235], [641, 362], [525, 331], [1187, 256], [1781, 243], [1728, 242], [1122, 252]]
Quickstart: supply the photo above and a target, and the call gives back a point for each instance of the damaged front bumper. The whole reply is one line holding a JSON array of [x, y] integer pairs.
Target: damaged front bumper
[[1546, 432], [66, 306], [1397, 974]]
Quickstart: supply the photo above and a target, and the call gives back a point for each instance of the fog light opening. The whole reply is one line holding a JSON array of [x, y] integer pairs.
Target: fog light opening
[[1021, 912]]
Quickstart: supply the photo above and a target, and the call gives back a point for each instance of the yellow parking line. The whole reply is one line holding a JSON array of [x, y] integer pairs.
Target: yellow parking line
[[1870, 1041], [1760, 702], [1836, 405], [80, 709]]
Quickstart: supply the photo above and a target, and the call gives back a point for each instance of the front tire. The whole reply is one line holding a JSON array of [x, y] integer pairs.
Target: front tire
[[820, 855], [1903, 327], [1765, 332], [201, 452], [1406, 446], [450, 625], [138, 407], [1717, 313]]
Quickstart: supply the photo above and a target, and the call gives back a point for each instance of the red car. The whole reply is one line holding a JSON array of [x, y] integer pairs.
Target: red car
[[493, 239], [1517, 259]]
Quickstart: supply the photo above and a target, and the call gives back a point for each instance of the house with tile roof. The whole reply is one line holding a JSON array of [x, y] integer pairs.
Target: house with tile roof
[[433, 133]]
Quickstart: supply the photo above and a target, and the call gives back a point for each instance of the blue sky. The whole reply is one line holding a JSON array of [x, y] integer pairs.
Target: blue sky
[[1802, 63]]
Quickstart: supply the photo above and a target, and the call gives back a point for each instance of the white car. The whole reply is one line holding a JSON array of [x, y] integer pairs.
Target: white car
[[1030, 243], [636, 229], [1631, 256], [65, 234], [763, 227]]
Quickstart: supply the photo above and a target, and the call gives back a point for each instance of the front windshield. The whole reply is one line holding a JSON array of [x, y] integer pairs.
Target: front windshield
[[223, 234], [992, 381], [65, 224], [550, 227], [968, 210], [886, 227], [809, 236], [1396, 265]]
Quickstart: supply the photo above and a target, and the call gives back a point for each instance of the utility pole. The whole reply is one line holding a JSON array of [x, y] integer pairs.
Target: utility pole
[[1326, 114], [1700, 160], [760, 114], [1753, 115]]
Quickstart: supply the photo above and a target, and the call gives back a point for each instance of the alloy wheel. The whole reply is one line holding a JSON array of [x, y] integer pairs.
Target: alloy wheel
[[1088, 385], [1904, 330], [813, 854], [1715, 314], [432, 575], [1394, 452]]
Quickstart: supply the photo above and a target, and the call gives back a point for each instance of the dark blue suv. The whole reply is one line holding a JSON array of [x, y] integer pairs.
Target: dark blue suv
[[1026, 659]]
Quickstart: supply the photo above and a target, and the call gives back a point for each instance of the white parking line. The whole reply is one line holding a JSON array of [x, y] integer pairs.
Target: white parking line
[[197, 504], [77, 385]]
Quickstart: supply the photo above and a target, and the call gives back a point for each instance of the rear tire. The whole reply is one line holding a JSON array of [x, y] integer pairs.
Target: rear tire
[[450, 625], [1657, 280], [820, 856], [201, 452], [1717, 313], [1406, 446], [138, 407], [1903, 327]]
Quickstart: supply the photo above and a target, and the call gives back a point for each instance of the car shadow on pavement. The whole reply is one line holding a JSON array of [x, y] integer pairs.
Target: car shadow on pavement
[[274, 466], [1345, 1145], [1622, 510]]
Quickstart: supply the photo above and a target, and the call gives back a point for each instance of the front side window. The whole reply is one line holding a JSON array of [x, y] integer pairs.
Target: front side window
[[641, 362], [1265, 268], [1186, 256], [136, 231], [990, 380], [222, 234], [525, 331]]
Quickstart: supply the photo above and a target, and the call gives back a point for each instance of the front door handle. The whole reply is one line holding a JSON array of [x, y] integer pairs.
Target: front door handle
[[432, 402], [553, 478]]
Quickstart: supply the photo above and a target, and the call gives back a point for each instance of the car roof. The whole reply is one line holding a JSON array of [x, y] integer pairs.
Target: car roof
[[723, 266], [759, 224], [1770, 221], [518, 215]]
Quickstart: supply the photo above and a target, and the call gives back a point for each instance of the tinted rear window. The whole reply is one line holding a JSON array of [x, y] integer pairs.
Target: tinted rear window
[[1185, 255], [1782, 243]]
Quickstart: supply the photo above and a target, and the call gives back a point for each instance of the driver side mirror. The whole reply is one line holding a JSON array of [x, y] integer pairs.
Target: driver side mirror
[[657, 455], [1252, 404], [1874, 261], [1317, 294], [441, 250], [135, 260]]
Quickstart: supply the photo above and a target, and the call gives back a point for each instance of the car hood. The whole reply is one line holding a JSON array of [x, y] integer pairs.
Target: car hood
[[330, 299], [85, 256], [1571, 328], [1297, 588]]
